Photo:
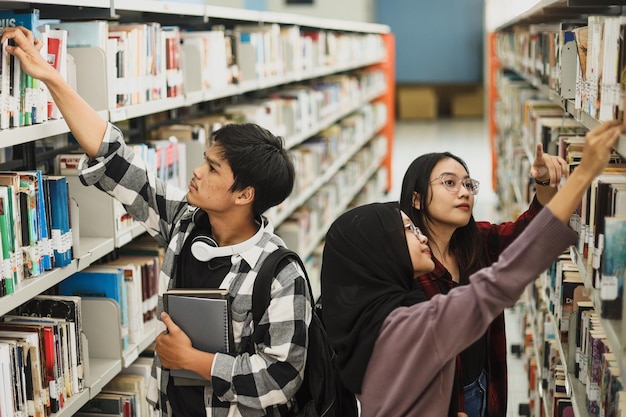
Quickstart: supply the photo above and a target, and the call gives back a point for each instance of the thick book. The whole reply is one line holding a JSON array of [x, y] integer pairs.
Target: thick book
[[204, 315], [7, 233], [61, 235], [613, 268]]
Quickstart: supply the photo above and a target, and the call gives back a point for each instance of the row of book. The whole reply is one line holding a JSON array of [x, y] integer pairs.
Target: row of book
[[43, 356], [43, 349], [309, 222], [40, 213], [148, 61], [601, 223], [124, 395], [293, 111], [25, 100], [35, 226], [569, 361], [173, 159], [527, 117], [582, 61], [130, 279]]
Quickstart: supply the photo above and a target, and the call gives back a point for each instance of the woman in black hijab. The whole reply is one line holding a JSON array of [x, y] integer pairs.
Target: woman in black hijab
[[391, 351]]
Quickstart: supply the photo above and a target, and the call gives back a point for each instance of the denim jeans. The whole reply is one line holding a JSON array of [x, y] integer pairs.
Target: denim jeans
[[475, 395]]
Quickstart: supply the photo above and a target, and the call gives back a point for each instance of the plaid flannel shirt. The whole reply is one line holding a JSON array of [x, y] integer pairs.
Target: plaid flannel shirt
[[242, 385], [496, 237]]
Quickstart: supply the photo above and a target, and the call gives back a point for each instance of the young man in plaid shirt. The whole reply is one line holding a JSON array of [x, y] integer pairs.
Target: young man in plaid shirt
[[246, 171]]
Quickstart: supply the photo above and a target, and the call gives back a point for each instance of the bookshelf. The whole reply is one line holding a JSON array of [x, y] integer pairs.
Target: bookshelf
[[358, 164], [523, 77]]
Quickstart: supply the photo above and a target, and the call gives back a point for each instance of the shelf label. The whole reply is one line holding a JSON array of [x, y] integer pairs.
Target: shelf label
[[608, 287]]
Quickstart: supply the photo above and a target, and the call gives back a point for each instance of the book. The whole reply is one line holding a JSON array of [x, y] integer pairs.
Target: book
[[41, 218], [133, 281], [61, 232], [5, 85], [106, 404], [7, 232], [6, 381], [28, 193], [131, 384], [213, 333], [613, 267], [57, 57]]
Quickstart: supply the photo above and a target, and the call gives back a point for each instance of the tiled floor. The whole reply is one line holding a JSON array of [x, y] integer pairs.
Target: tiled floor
[[467, 138]]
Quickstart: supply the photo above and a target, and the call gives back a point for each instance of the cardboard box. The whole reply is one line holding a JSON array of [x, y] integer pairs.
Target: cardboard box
[[468, 104], [417, 102]]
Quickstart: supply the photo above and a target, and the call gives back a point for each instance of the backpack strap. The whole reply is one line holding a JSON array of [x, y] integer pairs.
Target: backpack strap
[[263, 282]]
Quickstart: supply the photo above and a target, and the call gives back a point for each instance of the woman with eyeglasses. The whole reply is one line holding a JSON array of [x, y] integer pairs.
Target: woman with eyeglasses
[[396, 346], [438, 195]]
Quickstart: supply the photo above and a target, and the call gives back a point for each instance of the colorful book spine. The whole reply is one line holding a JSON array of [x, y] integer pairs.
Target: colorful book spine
[[30, 228], [9, 274], [613, 267], [60, 220]]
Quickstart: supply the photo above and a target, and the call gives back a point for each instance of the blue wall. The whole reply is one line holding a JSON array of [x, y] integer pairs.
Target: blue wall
[[437, 41], [255, 5]]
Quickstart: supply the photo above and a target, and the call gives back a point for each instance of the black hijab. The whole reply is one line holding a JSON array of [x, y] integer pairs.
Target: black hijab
[[366, 273]]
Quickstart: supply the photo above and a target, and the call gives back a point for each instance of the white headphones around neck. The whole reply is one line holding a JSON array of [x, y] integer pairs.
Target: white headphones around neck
[[204, 248]]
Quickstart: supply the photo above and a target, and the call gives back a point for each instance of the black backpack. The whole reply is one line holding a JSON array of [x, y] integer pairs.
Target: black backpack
[[322, 394]]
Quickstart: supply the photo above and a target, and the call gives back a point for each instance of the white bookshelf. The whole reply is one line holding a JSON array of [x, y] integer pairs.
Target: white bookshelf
[[101, 316], [502, 16]]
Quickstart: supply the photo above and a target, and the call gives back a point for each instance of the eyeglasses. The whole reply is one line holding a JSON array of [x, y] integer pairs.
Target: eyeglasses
[[409, 225], [453, 183]]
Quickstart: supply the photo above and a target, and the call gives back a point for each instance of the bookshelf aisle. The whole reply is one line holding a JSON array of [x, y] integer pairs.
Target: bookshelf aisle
[[555, 70], [325, 85]]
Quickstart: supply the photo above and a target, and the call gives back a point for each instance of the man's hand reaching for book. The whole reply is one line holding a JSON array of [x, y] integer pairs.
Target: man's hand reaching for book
[[27, 49]]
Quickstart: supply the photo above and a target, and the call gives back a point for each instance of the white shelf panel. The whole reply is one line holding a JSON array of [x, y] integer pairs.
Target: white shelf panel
[[166, 7], [31, 287], [144, 109], [73, 404], [331, 24], [104, 4], [126, 236], [102, 371], [92, 249], [233, 13], [25, 134]]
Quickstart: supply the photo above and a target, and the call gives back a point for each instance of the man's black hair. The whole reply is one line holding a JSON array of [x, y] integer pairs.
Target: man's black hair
[[258, 159]]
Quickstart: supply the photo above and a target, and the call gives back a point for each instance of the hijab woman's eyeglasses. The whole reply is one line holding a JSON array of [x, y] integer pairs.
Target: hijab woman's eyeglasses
[[409, 225], [453, 183]]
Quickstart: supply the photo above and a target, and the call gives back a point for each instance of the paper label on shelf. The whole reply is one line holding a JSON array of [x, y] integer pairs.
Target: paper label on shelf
[[7, 268], [593, 392], [608, 287]]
